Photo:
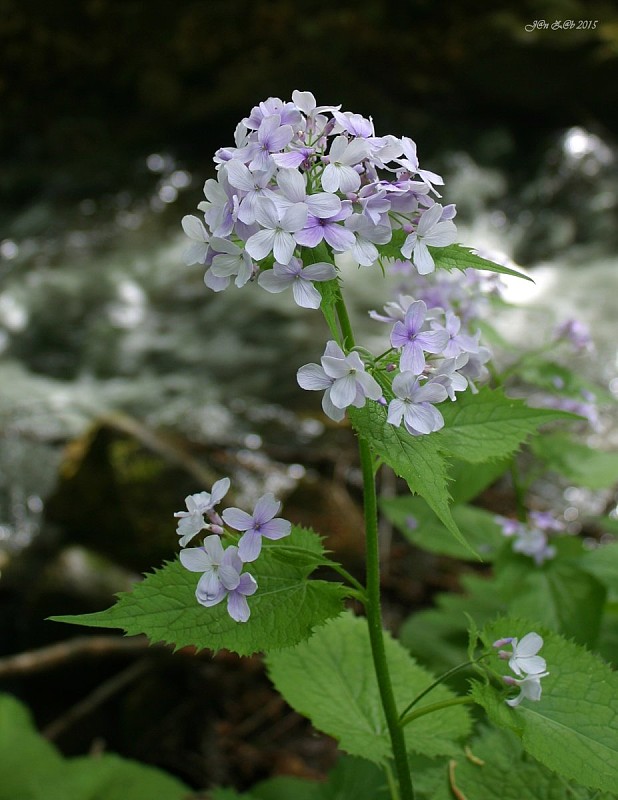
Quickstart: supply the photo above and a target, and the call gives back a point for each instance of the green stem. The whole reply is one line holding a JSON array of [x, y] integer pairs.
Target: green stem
[[457, 701], [373, 610], [437, 682]]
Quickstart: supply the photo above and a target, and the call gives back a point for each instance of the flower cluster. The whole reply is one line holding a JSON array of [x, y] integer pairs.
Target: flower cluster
[[222, 568], [300, 175], [526, 664], [532, 538], [435, 359]]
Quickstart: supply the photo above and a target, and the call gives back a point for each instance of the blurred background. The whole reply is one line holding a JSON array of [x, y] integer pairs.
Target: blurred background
[[125, 384]]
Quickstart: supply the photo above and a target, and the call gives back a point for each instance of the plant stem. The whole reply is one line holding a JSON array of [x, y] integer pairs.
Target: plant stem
[[437, 682], [373, 610], [374, 619], [456, 701]]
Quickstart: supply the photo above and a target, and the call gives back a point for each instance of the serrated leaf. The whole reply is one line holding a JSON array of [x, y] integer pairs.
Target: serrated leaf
[[561, 596], [421, 526], [417, 459], [488, 425], [495, 766], [573, 729], [32, 769], [581, 464], [331, 679], [467, 484], [456, 256], [284, 611]]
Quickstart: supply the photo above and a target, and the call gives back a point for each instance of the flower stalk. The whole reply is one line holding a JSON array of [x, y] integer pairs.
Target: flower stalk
[[373, 604]]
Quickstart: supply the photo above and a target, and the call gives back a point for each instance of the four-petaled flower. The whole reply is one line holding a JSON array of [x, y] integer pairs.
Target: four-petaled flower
[[430, 230], [221, 576], [414, 340], [413, 403], [260, 523], [524, 656], [525, 663], [282, 276], [344, 379], [192, 520], [529, 687]]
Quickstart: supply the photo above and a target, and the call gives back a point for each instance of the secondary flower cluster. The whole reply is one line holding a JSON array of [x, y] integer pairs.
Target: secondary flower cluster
[[301, 175], [435, 359], [222, 568], [532, 538], [526, 664]]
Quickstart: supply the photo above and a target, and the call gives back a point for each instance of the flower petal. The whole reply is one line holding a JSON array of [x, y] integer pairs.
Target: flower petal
[[195, 559], [249, 546], [237, 519]]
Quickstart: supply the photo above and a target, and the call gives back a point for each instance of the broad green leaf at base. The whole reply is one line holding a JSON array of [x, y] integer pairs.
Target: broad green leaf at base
[[331, 679], [32, 769], [285, 609], [573, 729]]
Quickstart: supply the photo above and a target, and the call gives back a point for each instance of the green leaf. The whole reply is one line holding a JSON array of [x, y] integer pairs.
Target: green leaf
[[476, 525], [573, 729], [438, 637], [558, 379], [560, 595], [331, 679], [32, 769], [417, 459], [467, 484], [495, 766], [581, 464], [350, 778], [286, 608], [489, 425], [456, 256]]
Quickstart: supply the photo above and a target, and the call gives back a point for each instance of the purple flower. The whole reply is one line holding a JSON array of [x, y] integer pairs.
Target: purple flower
[[413, 403], [328, 229], [260, 523], [458, 342], [344, 379], [276, 234], [577, 333], [414, 341], [430, 230], [282, 276], [272, 137], [192, 520], [221, 576]]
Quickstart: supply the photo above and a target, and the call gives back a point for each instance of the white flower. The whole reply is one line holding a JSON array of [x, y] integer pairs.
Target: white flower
[[430, 230], [529, 687], [194, 228], [192, 520], [339, 175], [524, 656]]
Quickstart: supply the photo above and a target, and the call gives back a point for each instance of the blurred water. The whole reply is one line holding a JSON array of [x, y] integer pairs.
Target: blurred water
[[98, 312]]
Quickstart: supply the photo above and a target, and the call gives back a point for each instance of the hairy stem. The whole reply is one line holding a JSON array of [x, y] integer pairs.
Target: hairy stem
[[373, 606]]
